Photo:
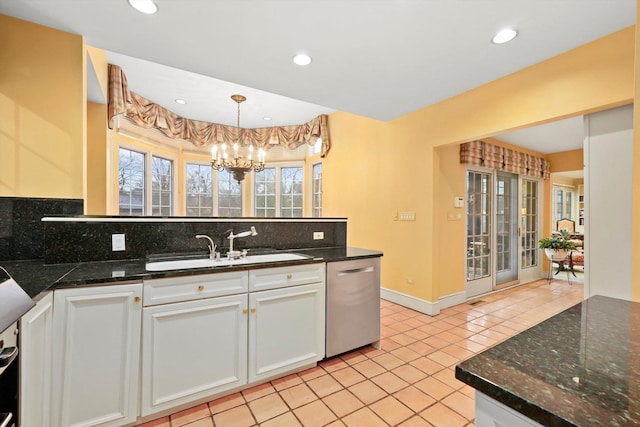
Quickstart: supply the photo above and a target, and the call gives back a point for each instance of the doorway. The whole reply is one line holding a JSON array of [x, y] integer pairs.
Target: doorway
[[503, 224]]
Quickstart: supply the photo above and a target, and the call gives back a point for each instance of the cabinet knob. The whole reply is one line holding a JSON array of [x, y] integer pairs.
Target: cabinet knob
[[137, 299], [245, 311], [289, 276], [253, 310], [201, 288]]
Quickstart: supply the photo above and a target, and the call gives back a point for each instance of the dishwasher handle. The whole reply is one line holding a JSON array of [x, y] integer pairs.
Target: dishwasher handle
[[355, 271]]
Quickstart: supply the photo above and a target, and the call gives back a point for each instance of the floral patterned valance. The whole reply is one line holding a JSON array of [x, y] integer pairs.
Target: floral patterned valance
[[150, 115], [480, 153]]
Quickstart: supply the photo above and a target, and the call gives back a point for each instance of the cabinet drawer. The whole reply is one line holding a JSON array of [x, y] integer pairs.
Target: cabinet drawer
[[281, 277], [187, 288]]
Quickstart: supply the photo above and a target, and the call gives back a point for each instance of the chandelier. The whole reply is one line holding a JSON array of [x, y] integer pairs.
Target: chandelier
[[240, 161]]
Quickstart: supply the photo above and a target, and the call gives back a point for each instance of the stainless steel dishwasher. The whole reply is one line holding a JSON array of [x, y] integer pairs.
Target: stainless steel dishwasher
[[353, 304]]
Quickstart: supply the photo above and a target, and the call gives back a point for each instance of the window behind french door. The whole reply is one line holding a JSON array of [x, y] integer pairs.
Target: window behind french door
[[502, 230]]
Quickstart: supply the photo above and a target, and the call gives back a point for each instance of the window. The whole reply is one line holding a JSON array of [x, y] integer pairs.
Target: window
[[291, 192], [317, 190], [131, 182], [229, 195], [265, 193], [563, 201], [199, 190], [134, 180], [202, 192], [278, 192], [161, 186]]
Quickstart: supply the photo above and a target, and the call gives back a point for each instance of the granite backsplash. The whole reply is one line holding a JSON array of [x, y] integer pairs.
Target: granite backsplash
[[21, 228], [83, 239]]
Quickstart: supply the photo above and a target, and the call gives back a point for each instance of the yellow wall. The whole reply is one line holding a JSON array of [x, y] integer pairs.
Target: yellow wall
[[96, 171], [42, 108], [404, 172], [635, 228], [563, 161]]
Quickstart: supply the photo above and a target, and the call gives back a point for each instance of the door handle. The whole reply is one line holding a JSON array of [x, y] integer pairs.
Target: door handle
[[355, 271], [7, 355]]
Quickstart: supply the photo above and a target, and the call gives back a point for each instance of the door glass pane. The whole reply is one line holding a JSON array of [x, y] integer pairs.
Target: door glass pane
[[478, 226], [529, 224], [506, 227]]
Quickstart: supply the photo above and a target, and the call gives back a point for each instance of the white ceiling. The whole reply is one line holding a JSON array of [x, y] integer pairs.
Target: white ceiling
[[376, 58], [554, 137]]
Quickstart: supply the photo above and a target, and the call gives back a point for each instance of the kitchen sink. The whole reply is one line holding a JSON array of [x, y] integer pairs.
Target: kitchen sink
[[182, 264]]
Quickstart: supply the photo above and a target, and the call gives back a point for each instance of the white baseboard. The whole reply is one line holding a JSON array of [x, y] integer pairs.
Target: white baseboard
[[423, 306]]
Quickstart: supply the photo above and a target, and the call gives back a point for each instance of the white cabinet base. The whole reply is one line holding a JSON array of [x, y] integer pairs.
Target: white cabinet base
[[191, 350], [491, 413]]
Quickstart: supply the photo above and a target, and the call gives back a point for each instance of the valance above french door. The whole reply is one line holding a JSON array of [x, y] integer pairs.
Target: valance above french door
[[480, 153]]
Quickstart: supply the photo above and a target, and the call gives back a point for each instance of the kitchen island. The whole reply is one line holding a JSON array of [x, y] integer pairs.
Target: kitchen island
[[581, 367]]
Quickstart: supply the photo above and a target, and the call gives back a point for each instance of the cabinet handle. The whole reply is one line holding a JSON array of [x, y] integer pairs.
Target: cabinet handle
[[245, 311], [253, 310], [289, 276], [201, 288], [136, 299]]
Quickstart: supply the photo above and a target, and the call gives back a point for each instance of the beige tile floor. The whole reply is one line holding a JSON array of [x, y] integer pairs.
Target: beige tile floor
[[409, 382]]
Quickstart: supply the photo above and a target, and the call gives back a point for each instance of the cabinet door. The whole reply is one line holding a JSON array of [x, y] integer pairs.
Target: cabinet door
[[192, 350], [286, 329], [35, 364], [96, 348]]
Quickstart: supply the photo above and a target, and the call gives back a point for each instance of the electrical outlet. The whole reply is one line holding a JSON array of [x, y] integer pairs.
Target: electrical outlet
[[318, 235], [407, 216], [117, 242]]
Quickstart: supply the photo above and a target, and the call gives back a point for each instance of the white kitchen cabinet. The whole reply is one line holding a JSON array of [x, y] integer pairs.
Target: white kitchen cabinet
[[96, 349], [491, 413], [35, 363], [192, 350], [286, 324]]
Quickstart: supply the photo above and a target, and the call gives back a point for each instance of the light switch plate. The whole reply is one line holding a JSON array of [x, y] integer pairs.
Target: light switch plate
[[318, 235], [458, 202], [117, 242]]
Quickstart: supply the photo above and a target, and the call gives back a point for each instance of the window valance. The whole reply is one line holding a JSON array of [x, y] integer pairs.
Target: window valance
[[150, 115], [480, 153]]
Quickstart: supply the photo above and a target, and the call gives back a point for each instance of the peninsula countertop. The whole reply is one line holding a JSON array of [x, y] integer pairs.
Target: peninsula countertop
[[34, 276], [580, 367]]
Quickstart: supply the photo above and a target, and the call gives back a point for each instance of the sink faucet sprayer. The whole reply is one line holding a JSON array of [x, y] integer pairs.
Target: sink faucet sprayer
[[212, 246], [236, 254]]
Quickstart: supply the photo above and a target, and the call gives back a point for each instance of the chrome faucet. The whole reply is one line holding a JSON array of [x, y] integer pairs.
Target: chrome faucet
[[212, 246], [237, 254]]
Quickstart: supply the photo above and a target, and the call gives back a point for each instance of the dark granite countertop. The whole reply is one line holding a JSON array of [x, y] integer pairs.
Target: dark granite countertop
[[34, 276], [581, 367]]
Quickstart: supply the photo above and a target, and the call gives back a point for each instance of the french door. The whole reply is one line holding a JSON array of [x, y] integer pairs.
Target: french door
[[503, 224]]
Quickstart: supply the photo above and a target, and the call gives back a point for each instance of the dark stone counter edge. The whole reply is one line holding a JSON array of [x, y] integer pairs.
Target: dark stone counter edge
[[518, 404], [35, 277]]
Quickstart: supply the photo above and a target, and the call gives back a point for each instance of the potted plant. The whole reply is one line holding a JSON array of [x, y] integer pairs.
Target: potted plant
[[558, 245]]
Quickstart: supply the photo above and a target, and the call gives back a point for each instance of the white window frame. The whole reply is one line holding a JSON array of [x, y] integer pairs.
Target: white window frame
[[148, 154], [215, 184], [278, 166], [574, 203], [312, 189]]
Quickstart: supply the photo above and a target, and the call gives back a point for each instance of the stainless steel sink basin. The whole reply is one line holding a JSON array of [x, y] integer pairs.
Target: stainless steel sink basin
[[182, 264]]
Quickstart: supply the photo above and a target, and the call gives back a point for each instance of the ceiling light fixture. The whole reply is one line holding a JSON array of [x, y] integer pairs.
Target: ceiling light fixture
[[180, 101], [241, 163], [504, 36], [302, 59], [144, 6], [268, 119]]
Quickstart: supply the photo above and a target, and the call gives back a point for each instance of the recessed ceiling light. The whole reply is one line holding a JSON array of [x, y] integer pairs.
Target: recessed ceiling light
[[302, 59], [267, 119], [144, 6], [504, 36], [180, 101]]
